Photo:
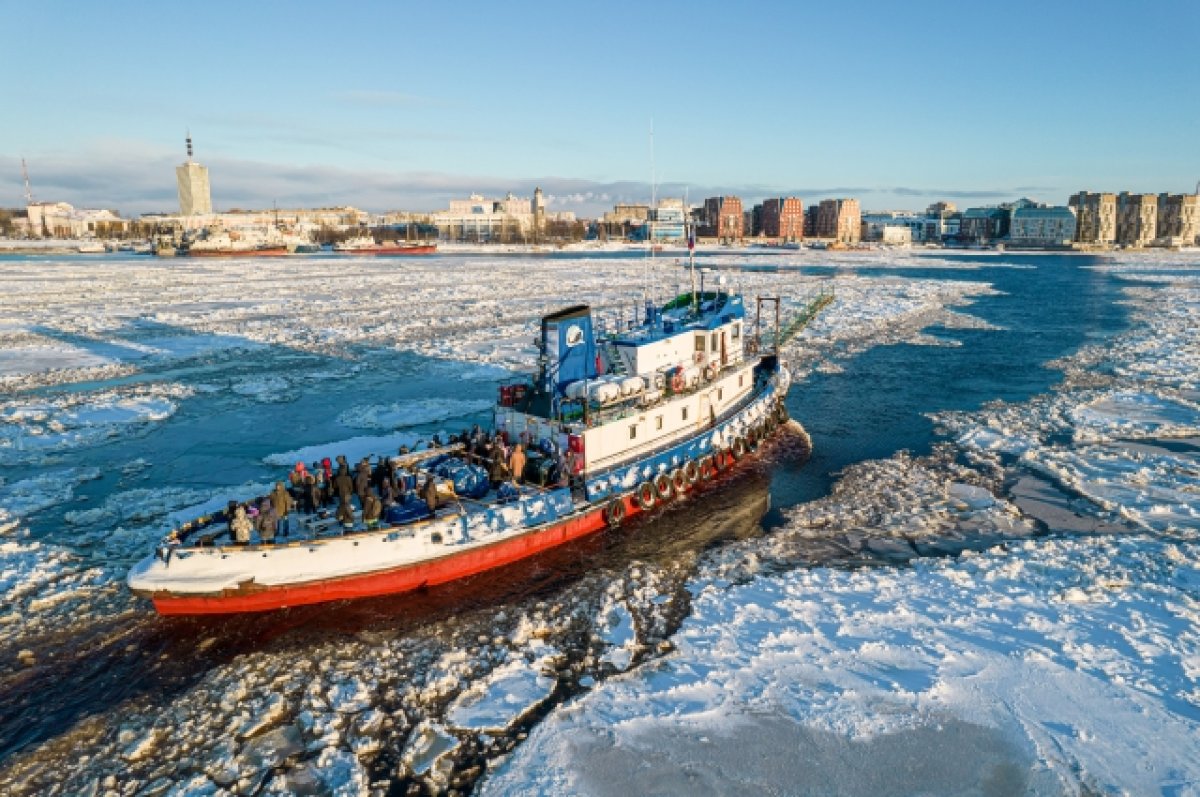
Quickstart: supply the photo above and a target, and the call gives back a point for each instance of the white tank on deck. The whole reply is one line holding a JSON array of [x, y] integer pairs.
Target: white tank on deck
[[577, 390], [654, 381], [603, 392], [632, 385]]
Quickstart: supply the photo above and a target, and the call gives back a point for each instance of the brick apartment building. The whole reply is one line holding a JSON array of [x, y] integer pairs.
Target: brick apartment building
[[723, 218], [783, 217]]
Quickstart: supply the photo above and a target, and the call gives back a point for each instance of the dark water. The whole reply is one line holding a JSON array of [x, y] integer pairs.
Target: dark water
[[878, 404], [874, 408]]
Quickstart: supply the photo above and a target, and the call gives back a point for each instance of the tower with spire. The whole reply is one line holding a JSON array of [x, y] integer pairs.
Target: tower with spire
[[195, 197]]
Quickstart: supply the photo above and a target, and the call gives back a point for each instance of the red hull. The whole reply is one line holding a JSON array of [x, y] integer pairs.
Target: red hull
[[274, 251], [390, 582], [402, 579]]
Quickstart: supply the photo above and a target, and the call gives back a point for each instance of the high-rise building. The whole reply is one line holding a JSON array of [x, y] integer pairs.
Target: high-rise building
[[1042, 226], [1178, 219], [839, 219], [1096, 216], [1137, 218], [783, 217], [724, 218], [195, 197]]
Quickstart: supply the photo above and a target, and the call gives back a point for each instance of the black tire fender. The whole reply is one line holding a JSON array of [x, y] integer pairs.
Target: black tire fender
[[646, 496]]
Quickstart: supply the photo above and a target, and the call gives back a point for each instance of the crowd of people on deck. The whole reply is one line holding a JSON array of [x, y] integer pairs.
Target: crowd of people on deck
[[327, 485]]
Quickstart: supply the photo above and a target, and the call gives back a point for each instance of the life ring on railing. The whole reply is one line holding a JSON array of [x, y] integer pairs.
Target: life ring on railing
[[710, 372], [698, 357], [645, 496], [662, 487], [738, 449], [677, 382], [691, 471], [614, 513], [679, 481], [707, 466]]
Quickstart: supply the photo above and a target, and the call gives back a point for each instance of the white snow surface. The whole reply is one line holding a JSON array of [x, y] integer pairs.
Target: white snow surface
[[1041, 665]]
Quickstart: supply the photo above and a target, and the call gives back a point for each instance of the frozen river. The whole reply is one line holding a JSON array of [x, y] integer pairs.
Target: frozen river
[[989, 555]]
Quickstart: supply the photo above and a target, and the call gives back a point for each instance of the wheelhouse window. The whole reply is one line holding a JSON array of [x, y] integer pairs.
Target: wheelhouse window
[[737, 332], [700, 344]]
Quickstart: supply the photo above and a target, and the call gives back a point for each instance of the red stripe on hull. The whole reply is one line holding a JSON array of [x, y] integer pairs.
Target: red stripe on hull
[[409, 577], [402, 579]]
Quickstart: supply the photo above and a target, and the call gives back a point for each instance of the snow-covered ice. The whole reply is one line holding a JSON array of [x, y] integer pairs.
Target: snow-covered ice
[[916, 630]]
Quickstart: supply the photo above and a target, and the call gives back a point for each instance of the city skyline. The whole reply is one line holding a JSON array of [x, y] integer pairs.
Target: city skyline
[[406, 108]]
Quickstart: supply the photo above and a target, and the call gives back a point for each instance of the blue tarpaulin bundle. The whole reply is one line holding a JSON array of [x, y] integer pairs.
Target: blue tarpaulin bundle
[[407, 513], [470, 481]]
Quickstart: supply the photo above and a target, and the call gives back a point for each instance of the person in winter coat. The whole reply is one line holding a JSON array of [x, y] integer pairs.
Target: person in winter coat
[[283, 503], [342, 465], [343, 486], [516, 463], [429, 493], [387, 491], [372, 509], [240, 526], [497, 469], [362, 480], [345, 513], [267, 520], [313, 494], [296, 480]]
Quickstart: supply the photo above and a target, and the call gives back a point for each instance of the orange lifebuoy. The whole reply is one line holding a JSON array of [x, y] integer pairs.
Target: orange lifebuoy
[[677, 382], [698, 357], [710, 372]]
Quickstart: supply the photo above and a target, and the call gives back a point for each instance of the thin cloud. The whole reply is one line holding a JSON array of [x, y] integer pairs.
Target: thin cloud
[[136, 182]]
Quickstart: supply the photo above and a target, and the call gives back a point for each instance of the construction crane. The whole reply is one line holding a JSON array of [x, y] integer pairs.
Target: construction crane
[[28, 190]]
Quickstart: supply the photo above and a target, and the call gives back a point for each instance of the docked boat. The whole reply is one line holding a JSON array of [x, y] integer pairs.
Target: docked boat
[[615, 425], [91, 248], [366, 245]]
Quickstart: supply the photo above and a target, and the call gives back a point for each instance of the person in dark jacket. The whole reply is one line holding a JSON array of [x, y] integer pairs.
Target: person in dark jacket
[[283, 503], [497, 469], [267, 520], [362, 480], [372, 509], [429, 493], [313, 494], [345, 513], [387, 491], [343, 486], [342, 465]]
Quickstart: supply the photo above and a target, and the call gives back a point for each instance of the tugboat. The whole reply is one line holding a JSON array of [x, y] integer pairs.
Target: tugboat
[[616, 424]]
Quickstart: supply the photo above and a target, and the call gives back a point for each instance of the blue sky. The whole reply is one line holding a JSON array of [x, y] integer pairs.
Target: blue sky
[[398, 105]]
